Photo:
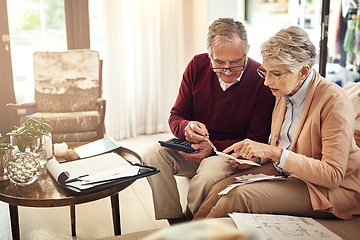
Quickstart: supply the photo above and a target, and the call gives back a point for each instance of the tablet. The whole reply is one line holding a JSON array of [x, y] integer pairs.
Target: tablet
[[97, 147]]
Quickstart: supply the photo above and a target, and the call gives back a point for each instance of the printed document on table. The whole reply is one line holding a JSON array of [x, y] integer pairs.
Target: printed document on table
[[89, 172], [282, 227]]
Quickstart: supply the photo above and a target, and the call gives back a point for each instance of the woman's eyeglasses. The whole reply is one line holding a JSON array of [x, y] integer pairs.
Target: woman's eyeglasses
[[263, 74]]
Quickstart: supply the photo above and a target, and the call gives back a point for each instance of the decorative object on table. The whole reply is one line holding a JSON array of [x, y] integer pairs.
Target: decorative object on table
[[71, 155], [27, 155], [60, 149], [4, 147]]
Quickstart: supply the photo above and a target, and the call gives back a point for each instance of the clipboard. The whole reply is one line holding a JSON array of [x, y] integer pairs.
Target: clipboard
[[93, 174]]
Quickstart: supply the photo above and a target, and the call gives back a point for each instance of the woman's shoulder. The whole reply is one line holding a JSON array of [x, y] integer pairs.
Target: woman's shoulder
[[328, 89]]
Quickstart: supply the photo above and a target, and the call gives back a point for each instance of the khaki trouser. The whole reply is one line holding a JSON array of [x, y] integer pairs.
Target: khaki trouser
[[163, 185], [289, 196]]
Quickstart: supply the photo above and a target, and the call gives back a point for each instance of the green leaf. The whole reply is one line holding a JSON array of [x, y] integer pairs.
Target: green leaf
[[21, 144]]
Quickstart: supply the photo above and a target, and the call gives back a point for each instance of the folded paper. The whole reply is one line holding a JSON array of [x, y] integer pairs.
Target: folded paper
[[93, 171]]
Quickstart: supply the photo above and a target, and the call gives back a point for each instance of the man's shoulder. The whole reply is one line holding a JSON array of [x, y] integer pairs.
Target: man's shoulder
[[200, 63], [253, 64], [251, 72], [201, 57]]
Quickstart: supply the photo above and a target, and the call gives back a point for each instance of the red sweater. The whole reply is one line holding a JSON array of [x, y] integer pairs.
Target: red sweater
[[242, 111]]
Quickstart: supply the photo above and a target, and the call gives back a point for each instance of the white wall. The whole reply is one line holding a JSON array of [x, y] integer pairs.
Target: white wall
[[264, 19], [226, 8], [195, 16]]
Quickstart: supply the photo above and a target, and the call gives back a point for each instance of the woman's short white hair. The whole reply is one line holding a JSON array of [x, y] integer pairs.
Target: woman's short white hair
[[291, 47]]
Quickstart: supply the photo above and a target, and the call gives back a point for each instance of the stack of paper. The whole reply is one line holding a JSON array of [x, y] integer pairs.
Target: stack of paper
[[89, 172], [281, 227], [250, 178]]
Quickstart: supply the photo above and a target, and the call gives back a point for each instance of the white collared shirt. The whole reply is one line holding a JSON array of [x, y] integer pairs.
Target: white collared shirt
[[225, 85], [293, 113]]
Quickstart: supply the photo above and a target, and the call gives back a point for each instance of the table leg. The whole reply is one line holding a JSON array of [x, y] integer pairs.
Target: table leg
[[14, 218], [116, 213], [73, 220]]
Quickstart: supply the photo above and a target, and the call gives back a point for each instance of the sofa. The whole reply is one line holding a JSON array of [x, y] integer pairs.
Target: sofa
[[346, 229]]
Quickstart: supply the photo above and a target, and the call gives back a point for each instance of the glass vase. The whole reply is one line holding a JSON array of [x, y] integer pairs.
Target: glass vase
[[23, 161], [3, 170]]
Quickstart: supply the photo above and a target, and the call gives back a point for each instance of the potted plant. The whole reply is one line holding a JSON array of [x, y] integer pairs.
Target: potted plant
[[29, 131], [28, 154]]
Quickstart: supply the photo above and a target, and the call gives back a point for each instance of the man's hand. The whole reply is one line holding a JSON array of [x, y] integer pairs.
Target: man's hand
[[203, 150], [195, 132]]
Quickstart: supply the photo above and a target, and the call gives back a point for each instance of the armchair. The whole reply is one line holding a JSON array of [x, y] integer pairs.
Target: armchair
[[68, 89]]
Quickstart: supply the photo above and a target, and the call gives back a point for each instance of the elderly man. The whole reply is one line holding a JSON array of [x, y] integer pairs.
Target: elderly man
[[221, 97]]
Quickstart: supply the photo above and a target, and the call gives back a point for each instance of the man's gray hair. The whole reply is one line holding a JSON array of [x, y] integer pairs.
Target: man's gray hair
[[222, 32]]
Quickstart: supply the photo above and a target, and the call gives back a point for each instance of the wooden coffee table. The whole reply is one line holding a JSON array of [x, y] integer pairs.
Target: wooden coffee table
[[46, 192]]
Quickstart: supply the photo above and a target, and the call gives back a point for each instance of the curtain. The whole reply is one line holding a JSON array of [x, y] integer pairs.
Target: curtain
[[7, 94], [143, 64]]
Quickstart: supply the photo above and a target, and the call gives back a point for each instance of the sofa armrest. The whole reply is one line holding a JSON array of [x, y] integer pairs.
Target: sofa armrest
[[13, 114], [21, 106]]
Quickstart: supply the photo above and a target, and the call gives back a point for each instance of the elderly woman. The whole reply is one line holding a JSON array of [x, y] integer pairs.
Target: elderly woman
[[311, 144]]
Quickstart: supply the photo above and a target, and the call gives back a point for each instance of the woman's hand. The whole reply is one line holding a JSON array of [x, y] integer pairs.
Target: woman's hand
[[235, 164], [249, 149]]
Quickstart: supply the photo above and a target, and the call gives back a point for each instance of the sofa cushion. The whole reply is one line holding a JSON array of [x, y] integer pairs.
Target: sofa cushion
[[69, 122], [66, 81], [352, 90], [74, 137]]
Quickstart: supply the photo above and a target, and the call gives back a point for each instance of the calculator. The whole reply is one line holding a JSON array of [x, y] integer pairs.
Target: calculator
[[178, 144]]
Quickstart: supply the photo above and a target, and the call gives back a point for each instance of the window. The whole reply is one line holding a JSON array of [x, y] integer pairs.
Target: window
[[34, 25], [96, 26]]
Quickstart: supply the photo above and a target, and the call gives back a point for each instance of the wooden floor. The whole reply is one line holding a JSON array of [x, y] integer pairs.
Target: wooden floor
[[93, 219]]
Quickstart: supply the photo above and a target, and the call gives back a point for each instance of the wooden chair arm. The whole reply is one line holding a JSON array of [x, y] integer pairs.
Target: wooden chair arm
[[101, 108], [12, 111], [21, 106]]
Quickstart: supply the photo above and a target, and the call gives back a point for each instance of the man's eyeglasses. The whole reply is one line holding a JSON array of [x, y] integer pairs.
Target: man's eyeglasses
[[263, 74], [231, 69]]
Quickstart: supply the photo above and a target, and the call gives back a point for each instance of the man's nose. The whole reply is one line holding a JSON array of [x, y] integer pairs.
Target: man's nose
[[227, 71]]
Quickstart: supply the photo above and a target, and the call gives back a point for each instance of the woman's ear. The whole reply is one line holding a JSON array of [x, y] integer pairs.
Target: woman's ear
[[304, 72]]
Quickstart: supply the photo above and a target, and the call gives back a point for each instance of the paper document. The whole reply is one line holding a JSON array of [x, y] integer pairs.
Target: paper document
[[89, 172], [240, 161], [281, 227], [97, 147], [249, 178]]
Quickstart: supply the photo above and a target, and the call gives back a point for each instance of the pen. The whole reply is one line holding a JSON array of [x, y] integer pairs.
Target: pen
[[211, 144]]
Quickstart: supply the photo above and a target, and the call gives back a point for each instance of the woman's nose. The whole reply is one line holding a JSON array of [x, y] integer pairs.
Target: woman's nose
[[266, 81]]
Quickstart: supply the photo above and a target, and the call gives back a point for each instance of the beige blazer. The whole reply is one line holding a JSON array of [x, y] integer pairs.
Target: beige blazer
[[323, 153]]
